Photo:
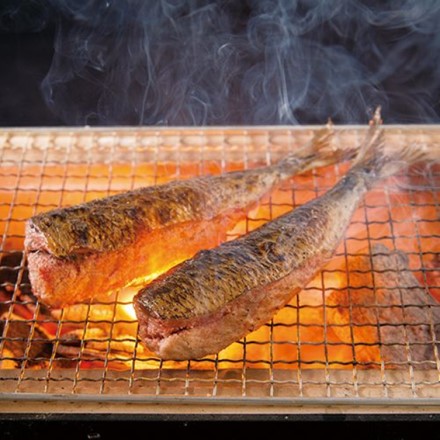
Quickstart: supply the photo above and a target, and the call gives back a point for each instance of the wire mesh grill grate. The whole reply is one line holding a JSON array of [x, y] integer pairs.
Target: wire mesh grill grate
[[356, 331]]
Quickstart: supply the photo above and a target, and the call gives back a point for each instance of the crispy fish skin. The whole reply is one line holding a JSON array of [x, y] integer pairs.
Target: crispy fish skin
[[114, 222], [220, 295], [86, 251]]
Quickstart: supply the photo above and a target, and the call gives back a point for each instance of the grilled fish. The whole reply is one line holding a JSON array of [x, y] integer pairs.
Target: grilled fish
[[217, 297], [87, 251]]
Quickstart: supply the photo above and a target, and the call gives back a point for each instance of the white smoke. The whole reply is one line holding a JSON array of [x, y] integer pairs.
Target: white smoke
[[175, 62]]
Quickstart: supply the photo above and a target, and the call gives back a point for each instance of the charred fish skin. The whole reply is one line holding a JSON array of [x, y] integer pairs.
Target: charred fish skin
[[114, 222], [220, 295], [108, 224], [220, 275], [88, 251]]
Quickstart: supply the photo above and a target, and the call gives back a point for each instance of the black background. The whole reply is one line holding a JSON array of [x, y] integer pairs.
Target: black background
[[27, 34]]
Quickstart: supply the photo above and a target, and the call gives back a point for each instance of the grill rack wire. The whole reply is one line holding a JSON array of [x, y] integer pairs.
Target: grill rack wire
[[46, 168]]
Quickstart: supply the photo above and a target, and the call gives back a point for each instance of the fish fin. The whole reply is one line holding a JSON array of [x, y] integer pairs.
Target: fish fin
[[319, 151], [374, 162], [373, 143]]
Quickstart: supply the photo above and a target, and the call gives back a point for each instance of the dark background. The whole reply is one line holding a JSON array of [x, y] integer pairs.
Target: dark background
[[109, 426], [26, 58], [393, 47]]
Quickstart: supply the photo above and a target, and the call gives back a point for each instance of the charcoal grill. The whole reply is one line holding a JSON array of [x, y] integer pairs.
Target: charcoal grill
[[292, 364]]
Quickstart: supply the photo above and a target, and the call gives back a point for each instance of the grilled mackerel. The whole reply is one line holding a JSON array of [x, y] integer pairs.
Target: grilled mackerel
[[220, 295], [85, 252]]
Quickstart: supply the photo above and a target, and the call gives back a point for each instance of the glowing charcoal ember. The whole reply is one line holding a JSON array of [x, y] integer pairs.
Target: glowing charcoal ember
[[25, 342], [383, 312]]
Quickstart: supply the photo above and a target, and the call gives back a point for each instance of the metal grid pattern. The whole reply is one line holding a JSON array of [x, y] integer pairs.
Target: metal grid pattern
[[317, 349]]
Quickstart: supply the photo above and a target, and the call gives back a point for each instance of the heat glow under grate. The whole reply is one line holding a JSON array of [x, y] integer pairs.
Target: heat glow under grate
[[360, 330]]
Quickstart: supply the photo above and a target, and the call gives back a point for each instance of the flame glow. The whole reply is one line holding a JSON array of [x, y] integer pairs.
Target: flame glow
[[126, 295], [299, 334]]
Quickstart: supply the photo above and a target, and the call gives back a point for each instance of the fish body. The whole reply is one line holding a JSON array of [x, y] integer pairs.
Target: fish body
[[221, 294], [87, 251]]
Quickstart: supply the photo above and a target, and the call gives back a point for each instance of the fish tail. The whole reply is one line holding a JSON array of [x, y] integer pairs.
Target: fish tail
[[374, 162], [319, 151]]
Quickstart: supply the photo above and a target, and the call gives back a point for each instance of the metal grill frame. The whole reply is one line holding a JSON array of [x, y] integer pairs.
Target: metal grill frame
[[221, 146]]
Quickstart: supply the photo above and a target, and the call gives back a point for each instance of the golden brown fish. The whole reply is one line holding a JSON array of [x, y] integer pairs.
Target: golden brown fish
[[220, 295], [87, 251]]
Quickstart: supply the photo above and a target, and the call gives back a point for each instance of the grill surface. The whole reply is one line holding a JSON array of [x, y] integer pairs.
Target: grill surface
[[90, 352]]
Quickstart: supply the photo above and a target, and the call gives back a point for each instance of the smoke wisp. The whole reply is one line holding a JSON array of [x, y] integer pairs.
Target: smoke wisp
[[176, 62]]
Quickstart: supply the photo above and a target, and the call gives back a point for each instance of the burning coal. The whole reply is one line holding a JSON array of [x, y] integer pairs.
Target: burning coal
[[222, 62]]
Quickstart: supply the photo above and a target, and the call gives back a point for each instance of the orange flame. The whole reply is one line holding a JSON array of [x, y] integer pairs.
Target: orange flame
[[298, 334]]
